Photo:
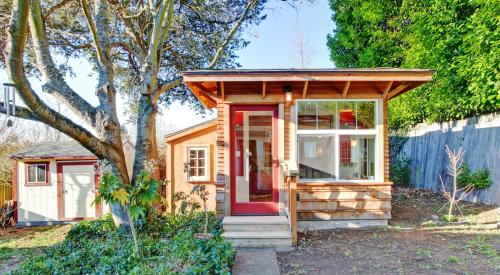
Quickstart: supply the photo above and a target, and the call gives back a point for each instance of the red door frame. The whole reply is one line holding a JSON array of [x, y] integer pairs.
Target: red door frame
[[253, 208], [60, 189]]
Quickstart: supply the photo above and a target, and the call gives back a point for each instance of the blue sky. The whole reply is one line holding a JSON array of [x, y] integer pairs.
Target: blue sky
[[272, 45]]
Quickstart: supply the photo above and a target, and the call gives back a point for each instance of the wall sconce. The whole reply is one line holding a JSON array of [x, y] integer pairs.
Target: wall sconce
[[287, 89]]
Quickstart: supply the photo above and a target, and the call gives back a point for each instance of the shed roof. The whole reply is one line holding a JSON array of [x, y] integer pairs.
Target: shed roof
[[59, 149], [210, 85], [192, 129]]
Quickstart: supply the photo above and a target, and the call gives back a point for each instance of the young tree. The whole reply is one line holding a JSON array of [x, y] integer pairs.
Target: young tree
[[136, 47]]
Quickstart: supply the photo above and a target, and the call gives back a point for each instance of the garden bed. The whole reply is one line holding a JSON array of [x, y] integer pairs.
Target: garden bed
[[166, 243]]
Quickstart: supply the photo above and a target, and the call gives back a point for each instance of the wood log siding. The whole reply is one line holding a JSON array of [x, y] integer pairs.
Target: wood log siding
[[349, 201]]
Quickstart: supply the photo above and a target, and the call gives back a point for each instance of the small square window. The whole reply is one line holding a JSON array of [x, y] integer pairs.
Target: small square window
[[198, 163], [37, 173]]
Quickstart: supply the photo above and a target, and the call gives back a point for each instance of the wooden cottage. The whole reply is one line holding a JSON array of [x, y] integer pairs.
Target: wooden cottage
[[291, 149]]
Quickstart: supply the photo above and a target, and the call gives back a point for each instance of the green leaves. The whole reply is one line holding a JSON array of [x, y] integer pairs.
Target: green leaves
[[480, 179], [166, 242], [121, 196], [138, 197], [460, 39]]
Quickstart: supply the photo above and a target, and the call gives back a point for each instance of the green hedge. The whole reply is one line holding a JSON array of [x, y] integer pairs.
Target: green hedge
[[166, 243]]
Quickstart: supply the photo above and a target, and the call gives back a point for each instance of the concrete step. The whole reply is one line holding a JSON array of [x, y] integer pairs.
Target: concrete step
[[259, 239], [255, 220], [255, 227], [255, 223]]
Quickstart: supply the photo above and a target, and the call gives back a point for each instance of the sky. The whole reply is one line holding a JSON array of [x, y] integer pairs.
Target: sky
[[273, 44]]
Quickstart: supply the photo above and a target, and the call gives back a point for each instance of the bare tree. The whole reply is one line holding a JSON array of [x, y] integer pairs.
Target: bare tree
[[304, 51]]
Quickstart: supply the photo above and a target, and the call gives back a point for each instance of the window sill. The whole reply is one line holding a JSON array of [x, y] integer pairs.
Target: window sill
[[205, 181], [346, 182], [33, 184]]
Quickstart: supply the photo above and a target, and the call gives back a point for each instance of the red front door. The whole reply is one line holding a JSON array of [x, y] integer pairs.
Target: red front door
[[254, 155]]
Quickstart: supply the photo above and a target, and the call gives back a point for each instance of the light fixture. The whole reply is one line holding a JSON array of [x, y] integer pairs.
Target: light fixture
[[287, 89]]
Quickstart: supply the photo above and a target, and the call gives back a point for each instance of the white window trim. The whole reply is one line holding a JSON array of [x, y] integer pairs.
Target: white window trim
[[36, 173], [336, 133], [206, 148]]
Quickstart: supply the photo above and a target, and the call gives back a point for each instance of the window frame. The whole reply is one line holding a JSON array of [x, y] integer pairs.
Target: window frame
[[37, 183], [207, 176], [336, 133]]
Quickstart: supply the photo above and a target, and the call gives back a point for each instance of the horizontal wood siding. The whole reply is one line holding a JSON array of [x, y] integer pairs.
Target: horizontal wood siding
[[287, 131], [349, 201], [220, 161]]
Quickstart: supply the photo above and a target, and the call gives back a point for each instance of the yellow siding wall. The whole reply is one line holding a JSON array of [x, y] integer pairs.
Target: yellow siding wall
[[177, 156]]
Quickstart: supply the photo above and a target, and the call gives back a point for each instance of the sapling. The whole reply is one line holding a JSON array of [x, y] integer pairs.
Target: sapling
[[455, 195], [202, 192]]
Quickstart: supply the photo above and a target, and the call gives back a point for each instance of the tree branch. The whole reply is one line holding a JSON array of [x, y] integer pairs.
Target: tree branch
[[16, 39], [166, 29], [93, 31], [55, 7], [163, 88], [157, 33], [55, 83], [130, 29], [231, 33], [21, 112]]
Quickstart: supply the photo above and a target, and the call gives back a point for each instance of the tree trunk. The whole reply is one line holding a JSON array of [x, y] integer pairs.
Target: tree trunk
[[118, 212], [146, 147]]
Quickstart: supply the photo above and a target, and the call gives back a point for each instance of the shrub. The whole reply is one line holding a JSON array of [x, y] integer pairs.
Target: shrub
[[479, 179], [166, 243], [400, 173]]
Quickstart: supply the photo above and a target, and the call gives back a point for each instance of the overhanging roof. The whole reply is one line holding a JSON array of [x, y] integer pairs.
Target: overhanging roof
[[208, 85]]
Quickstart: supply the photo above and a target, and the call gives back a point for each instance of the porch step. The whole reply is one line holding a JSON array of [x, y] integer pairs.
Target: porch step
[[255, 224], [257, 231]]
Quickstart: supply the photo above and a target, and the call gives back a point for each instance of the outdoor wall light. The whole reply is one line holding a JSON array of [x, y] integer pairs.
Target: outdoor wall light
[[287, 89]]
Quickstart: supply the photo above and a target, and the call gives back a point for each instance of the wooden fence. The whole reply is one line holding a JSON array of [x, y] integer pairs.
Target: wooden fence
[[480, 138], [5, 193]]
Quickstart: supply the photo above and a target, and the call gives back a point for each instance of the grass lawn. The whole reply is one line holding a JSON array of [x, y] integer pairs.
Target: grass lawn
[[410, 245], [18, 243]]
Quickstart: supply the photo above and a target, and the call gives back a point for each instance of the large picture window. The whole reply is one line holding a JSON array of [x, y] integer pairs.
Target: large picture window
[[336, 140]]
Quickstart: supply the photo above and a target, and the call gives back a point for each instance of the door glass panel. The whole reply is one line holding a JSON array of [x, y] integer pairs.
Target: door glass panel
[[253, 156]]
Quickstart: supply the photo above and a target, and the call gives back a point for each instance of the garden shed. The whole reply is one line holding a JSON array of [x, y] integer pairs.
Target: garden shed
[[55, 182]]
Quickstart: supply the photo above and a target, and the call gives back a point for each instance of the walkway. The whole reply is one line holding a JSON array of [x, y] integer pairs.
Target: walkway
[[256, 261]]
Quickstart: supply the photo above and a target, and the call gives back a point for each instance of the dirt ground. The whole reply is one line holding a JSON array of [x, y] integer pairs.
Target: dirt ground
[[410, 245]]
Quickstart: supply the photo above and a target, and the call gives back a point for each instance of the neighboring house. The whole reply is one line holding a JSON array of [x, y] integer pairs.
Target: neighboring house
[[55, 182], [290, 149]]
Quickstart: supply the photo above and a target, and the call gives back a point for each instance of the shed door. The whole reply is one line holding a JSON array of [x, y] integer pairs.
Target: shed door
[[254, 160], [78, 191]]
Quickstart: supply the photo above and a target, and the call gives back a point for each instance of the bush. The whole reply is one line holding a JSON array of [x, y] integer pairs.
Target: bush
[[479, 179], [400, 173], [166, 245]]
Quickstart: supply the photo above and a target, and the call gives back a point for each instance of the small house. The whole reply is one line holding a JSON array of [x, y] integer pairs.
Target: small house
[[55, 182], [290, 149]]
